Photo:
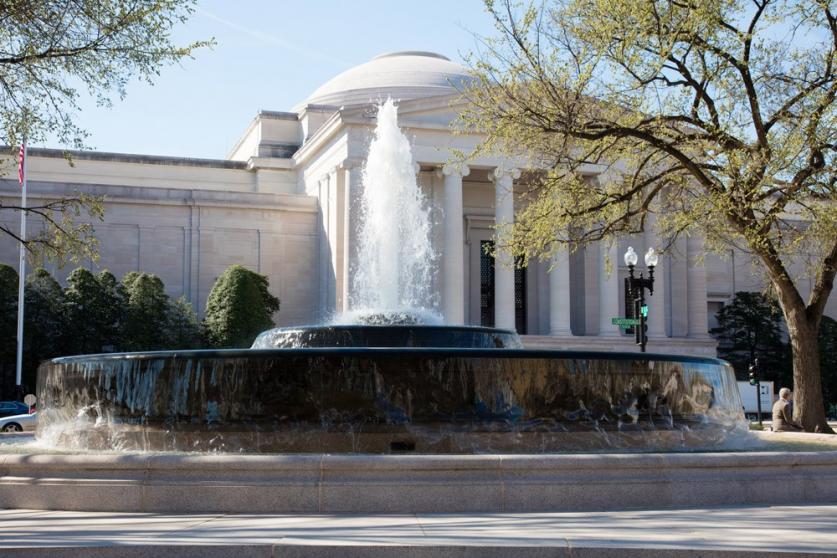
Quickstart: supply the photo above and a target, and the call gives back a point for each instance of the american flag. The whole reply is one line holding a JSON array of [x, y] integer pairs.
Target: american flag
[[20, 163]]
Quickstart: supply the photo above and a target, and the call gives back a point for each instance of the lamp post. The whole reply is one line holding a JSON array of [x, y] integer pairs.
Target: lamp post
[[636, 290]]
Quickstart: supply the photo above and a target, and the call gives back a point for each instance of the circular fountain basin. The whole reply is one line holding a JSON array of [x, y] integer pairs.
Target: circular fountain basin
[[387, 400], [436, 336]]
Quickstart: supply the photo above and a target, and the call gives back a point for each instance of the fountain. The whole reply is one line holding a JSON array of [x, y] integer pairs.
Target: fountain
[[387, 410], [395, 263], [392, 379]]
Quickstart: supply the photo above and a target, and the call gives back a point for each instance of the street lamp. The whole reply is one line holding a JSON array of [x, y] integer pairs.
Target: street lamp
[[636, 290]]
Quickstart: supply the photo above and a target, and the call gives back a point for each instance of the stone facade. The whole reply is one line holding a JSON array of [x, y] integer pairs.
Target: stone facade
[[284, 203], [184, 220]]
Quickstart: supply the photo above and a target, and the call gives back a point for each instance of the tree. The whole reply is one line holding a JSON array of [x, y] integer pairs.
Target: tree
[[183, 329], [51, 53], [8, 327], [93, 305], [239, 307], [45, 327], [750, 328], [145, 313], [706, 117]]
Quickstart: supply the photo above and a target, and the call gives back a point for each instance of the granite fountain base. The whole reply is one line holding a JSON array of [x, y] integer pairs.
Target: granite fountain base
[[413, 483], [374, 419]]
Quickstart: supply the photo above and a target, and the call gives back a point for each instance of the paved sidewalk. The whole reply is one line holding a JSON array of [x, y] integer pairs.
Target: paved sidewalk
[[727, 531]]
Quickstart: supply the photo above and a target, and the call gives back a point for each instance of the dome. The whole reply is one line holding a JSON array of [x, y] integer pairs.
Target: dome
[[400, 75]]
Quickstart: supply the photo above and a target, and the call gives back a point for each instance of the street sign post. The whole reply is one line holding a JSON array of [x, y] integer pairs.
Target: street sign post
[[624, 322]]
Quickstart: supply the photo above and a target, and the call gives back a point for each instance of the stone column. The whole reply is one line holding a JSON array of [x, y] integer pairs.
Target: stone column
[[324, 257], [504, 265], [698, 319], [608, 289], [453, 257], [333, 237], [348, 208], [657, 305], [559, 294]]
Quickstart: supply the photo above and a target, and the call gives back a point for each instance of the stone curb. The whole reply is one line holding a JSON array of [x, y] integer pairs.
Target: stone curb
[[413, 484], [389, 551]]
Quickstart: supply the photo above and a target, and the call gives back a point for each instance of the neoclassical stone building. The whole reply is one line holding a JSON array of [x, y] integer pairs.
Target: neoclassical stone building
[[284, 203]]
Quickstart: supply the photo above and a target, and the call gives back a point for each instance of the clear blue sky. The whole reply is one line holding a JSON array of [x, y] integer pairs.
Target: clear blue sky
[[270, 55]]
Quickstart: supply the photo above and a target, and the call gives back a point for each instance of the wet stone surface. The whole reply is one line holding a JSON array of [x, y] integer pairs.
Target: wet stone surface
[[387, 400]]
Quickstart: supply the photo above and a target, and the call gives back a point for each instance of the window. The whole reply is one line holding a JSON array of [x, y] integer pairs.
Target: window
[[712, 309]]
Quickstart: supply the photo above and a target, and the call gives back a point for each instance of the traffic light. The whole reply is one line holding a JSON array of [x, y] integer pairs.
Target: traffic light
[[644, 310], [754, 374]]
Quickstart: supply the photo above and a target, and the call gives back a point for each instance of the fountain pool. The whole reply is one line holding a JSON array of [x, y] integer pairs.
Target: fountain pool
[[387, 389]]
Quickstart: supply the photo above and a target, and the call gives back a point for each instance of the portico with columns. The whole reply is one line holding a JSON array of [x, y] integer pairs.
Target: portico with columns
[[566, 302]]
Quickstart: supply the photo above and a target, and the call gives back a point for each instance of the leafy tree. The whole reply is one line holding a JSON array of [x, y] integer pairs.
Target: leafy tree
[[8, 328], [183, 329], [239, 307], [93, 306], [53, 52], [45, 327], [750, 328], [705, 117], [145, 312]]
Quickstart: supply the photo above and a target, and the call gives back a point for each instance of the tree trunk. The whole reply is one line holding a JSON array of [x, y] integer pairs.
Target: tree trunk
[[808, 408]]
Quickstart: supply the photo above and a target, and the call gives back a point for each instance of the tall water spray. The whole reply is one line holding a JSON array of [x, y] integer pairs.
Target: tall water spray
[[394, 270]]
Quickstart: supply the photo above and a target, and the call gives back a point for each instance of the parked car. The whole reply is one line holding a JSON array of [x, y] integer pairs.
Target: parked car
[[9, 408], [19, 423]]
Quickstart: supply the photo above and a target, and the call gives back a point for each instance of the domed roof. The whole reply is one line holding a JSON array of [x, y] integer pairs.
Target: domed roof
[[400, 75]]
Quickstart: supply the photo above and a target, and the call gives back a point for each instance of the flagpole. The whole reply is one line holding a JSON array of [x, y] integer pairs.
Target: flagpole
[[21, 273]]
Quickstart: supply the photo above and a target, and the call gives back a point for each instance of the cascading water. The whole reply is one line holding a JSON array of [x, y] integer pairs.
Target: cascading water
[[396, 383], [393, 274]]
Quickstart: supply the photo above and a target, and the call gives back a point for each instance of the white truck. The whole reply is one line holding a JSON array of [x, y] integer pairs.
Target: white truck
[[748, 398]]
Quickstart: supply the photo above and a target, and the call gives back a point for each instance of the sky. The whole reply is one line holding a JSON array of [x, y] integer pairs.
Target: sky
[[270, 55]]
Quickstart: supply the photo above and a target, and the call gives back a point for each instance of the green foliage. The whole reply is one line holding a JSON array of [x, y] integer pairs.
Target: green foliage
[[713, 118], [8, 327], [94, 313], [183, 329], [52, 53], [45, 327], [145, 313], [688, 114], [94, 306], [239, 307], [63, 230], [750, 328]]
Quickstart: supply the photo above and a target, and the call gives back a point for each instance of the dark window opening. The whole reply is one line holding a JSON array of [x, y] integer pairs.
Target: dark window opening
[[487, 290]]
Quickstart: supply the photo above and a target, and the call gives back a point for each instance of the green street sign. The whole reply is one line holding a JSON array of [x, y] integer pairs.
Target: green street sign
[[624, 322]]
